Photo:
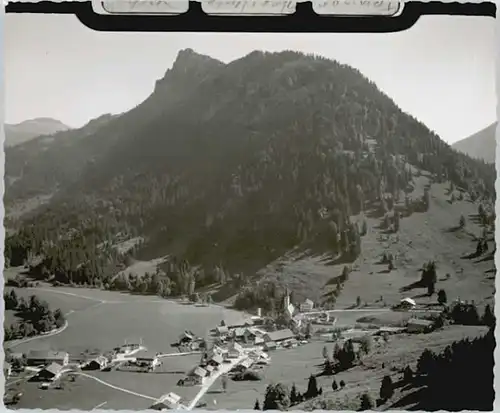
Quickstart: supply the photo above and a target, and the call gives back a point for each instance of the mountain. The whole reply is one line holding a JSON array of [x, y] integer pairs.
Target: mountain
[[274, 169], [37, 168], [29, 129], [481, 145]]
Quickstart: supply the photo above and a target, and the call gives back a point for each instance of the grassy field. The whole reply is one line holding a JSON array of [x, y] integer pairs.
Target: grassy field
[[103, 320], [83, 394], [162, 381], [422, 237], [296, 365]]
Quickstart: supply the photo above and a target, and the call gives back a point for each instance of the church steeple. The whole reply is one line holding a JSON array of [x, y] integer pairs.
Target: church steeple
[[286, 300]]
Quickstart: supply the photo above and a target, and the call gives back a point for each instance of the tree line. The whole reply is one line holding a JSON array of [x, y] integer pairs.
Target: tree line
[[35, 316]]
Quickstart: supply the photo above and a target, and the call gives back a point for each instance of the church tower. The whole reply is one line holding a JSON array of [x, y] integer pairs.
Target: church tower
[[286, 300]]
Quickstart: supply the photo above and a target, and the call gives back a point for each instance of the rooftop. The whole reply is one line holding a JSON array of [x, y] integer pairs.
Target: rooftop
[[281, 335], [54, 368]]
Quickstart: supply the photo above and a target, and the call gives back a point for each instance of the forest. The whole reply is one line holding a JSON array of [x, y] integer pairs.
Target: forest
[[276, 153]]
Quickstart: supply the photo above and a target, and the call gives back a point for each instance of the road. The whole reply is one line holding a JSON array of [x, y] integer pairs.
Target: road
[[26, 340], [368, 310], [350, 310]]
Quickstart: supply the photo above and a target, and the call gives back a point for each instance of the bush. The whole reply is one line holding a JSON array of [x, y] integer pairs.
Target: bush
[[366, 402]]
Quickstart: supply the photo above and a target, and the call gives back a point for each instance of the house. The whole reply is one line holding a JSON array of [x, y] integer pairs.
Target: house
[[128, 348], [246, 364], [221, 331], [407, 303], [169, 402], [147, 358], [7, 369], [239, 333], [249, 335], [279, 336], [214, 351], [186, 338], [307, 305], [216, 360], [44, 357], [199, 374], [97, 363], [234, 351], [258, 341], [416, 325], [209, 369], [49, 373]]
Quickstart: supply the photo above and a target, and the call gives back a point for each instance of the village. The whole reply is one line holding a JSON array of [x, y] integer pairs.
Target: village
[[239, 352]]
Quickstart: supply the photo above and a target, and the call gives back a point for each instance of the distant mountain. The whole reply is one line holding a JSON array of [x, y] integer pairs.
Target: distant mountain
[[41, 166], [225, 168], [29, 129], [481, 145]]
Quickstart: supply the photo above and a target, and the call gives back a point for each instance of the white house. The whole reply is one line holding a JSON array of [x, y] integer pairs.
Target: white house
[[307, 305], [407, 303], [147, 358], [169, 402]]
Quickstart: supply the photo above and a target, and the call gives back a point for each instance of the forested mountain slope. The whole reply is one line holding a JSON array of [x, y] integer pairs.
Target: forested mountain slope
[[226, 167], [45, 164]]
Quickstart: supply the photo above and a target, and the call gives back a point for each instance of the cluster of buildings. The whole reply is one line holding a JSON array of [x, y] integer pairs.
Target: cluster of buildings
[[51, 363], [256, 336], [213, 362]]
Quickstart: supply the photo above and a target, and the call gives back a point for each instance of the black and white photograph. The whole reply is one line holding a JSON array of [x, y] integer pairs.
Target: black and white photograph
[[263, 221]]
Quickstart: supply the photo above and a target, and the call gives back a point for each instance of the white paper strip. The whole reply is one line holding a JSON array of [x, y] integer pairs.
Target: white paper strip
[[248, 7]]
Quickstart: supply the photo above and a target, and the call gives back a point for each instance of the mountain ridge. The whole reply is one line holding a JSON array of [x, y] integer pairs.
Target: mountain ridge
[[480, 145], [18, 133], [270, 153]]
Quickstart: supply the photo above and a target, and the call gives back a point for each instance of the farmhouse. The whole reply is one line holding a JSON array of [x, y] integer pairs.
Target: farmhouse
[[147, 358], [186, 338], [239, 333], [44, 357], [199, 374], [221, 331], [279, 336], [307, 305], [216, 360], [169, 402], [97, 363], [49, 373], [416, 325], [407, 304], [244, 365]]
